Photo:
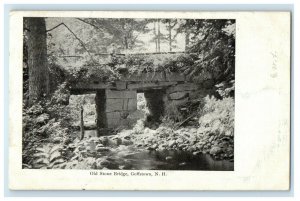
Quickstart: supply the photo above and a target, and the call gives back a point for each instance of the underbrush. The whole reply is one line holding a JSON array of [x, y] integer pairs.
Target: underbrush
[[46, 125], [217, 116], [213, 133]]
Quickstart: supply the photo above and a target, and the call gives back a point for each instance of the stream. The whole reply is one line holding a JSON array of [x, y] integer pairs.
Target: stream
[[131, 157]]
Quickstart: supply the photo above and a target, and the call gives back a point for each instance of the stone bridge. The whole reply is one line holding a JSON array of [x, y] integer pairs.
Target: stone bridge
[[116, 101]]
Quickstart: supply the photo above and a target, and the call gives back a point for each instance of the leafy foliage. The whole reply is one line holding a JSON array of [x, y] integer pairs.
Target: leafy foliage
[[213, 42], [46, 122], [217, 117], [47, 157], [147, 63]]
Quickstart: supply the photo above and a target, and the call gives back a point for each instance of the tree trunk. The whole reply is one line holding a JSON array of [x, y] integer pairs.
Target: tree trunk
[[158, 35], [170, 36], [126, 43], [37, 59], [155, 36], [187, 38], [81, 124]]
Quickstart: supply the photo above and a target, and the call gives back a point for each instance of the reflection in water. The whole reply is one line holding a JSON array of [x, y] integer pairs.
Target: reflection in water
[[130, 158]]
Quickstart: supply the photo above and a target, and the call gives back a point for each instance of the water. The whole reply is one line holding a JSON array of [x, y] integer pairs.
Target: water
[[131, 158]]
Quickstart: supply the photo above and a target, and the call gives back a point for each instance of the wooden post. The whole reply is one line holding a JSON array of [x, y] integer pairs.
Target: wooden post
[[81, 123]]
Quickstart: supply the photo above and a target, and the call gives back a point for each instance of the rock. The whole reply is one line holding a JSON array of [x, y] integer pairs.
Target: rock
[[210, 134], [178, 95], [74, 158], [117, 141], [181, 146], [127, 137], [104, 163], [168, 158], [104, 140], [72, 146], [81, 148], [195, 153], [228, 133], [182, 164], [179, 141], [99, 145], [154, 146], [102, 149], [172, 143], [211, 138], [215, 150], [57, 140], [42, 118], [126, 142]]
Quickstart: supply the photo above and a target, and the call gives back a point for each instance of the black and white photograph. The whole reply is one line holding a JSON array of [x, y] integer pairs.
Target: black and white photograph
[[149, 100], [128, 93]]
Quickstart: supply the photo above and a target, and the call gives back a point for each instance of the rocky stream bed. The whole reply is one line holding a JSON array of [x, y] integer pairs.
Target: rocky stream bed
[[161, 149]]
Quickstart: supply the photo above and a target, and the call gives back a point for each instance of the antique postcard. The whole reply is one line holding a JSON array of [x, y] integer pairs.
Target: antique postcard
[[136, 100]]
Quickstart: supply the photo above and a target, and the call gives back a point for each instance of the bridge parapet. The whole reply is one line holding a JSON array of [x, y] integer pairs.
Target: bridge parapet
[[140, 82]]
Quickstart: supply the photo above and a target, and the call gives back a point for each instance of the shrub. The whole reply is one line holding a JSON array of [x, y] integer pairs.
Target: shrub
[[217, 116], [45, 123]]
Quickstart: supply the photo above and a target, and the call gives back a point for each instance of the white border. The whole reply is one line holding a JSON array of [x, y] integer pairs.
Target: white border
[[261, 131]]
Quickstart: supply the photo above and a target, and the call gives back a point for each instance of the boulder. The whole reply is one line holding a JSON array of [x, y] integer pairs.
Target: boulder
[[178, 95], [215, 150], [168, 158], [42, 118], [126, 142], [100, 149], [179, 140], [155, 146], [172, 143]]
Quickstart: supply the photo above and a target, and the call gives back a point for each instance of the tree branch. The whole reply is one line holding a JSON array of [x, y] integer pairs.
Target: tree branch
[[91, 24], [81, 42]]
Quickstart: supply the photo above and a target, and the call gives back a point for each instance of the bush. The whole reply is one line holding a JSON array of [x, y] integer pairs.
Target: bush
[[45, 124], [217, 116]]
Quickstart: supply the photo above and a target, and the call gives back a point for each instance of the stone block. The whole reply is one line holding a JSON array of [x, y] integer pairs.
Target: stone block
[[151, 76], [149, 85], [120, 85], [182, 87], [132, 104], [177, 77], [92, 85], [178, 95], [208, 84], [113, 123], [120, 94], [113, 115], [199, 94], [114, 105], [179, 102]]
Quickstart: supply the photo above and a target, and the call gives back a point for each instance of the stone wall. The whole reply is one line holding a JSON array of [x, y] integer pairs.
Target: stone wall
[[180, 93], [116, 102], [119, 104], [113, 108]]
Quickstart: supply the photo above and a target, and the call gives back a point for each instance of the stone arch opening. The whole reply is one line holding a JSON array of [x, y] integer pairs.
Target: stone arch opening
[[156, 106]]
